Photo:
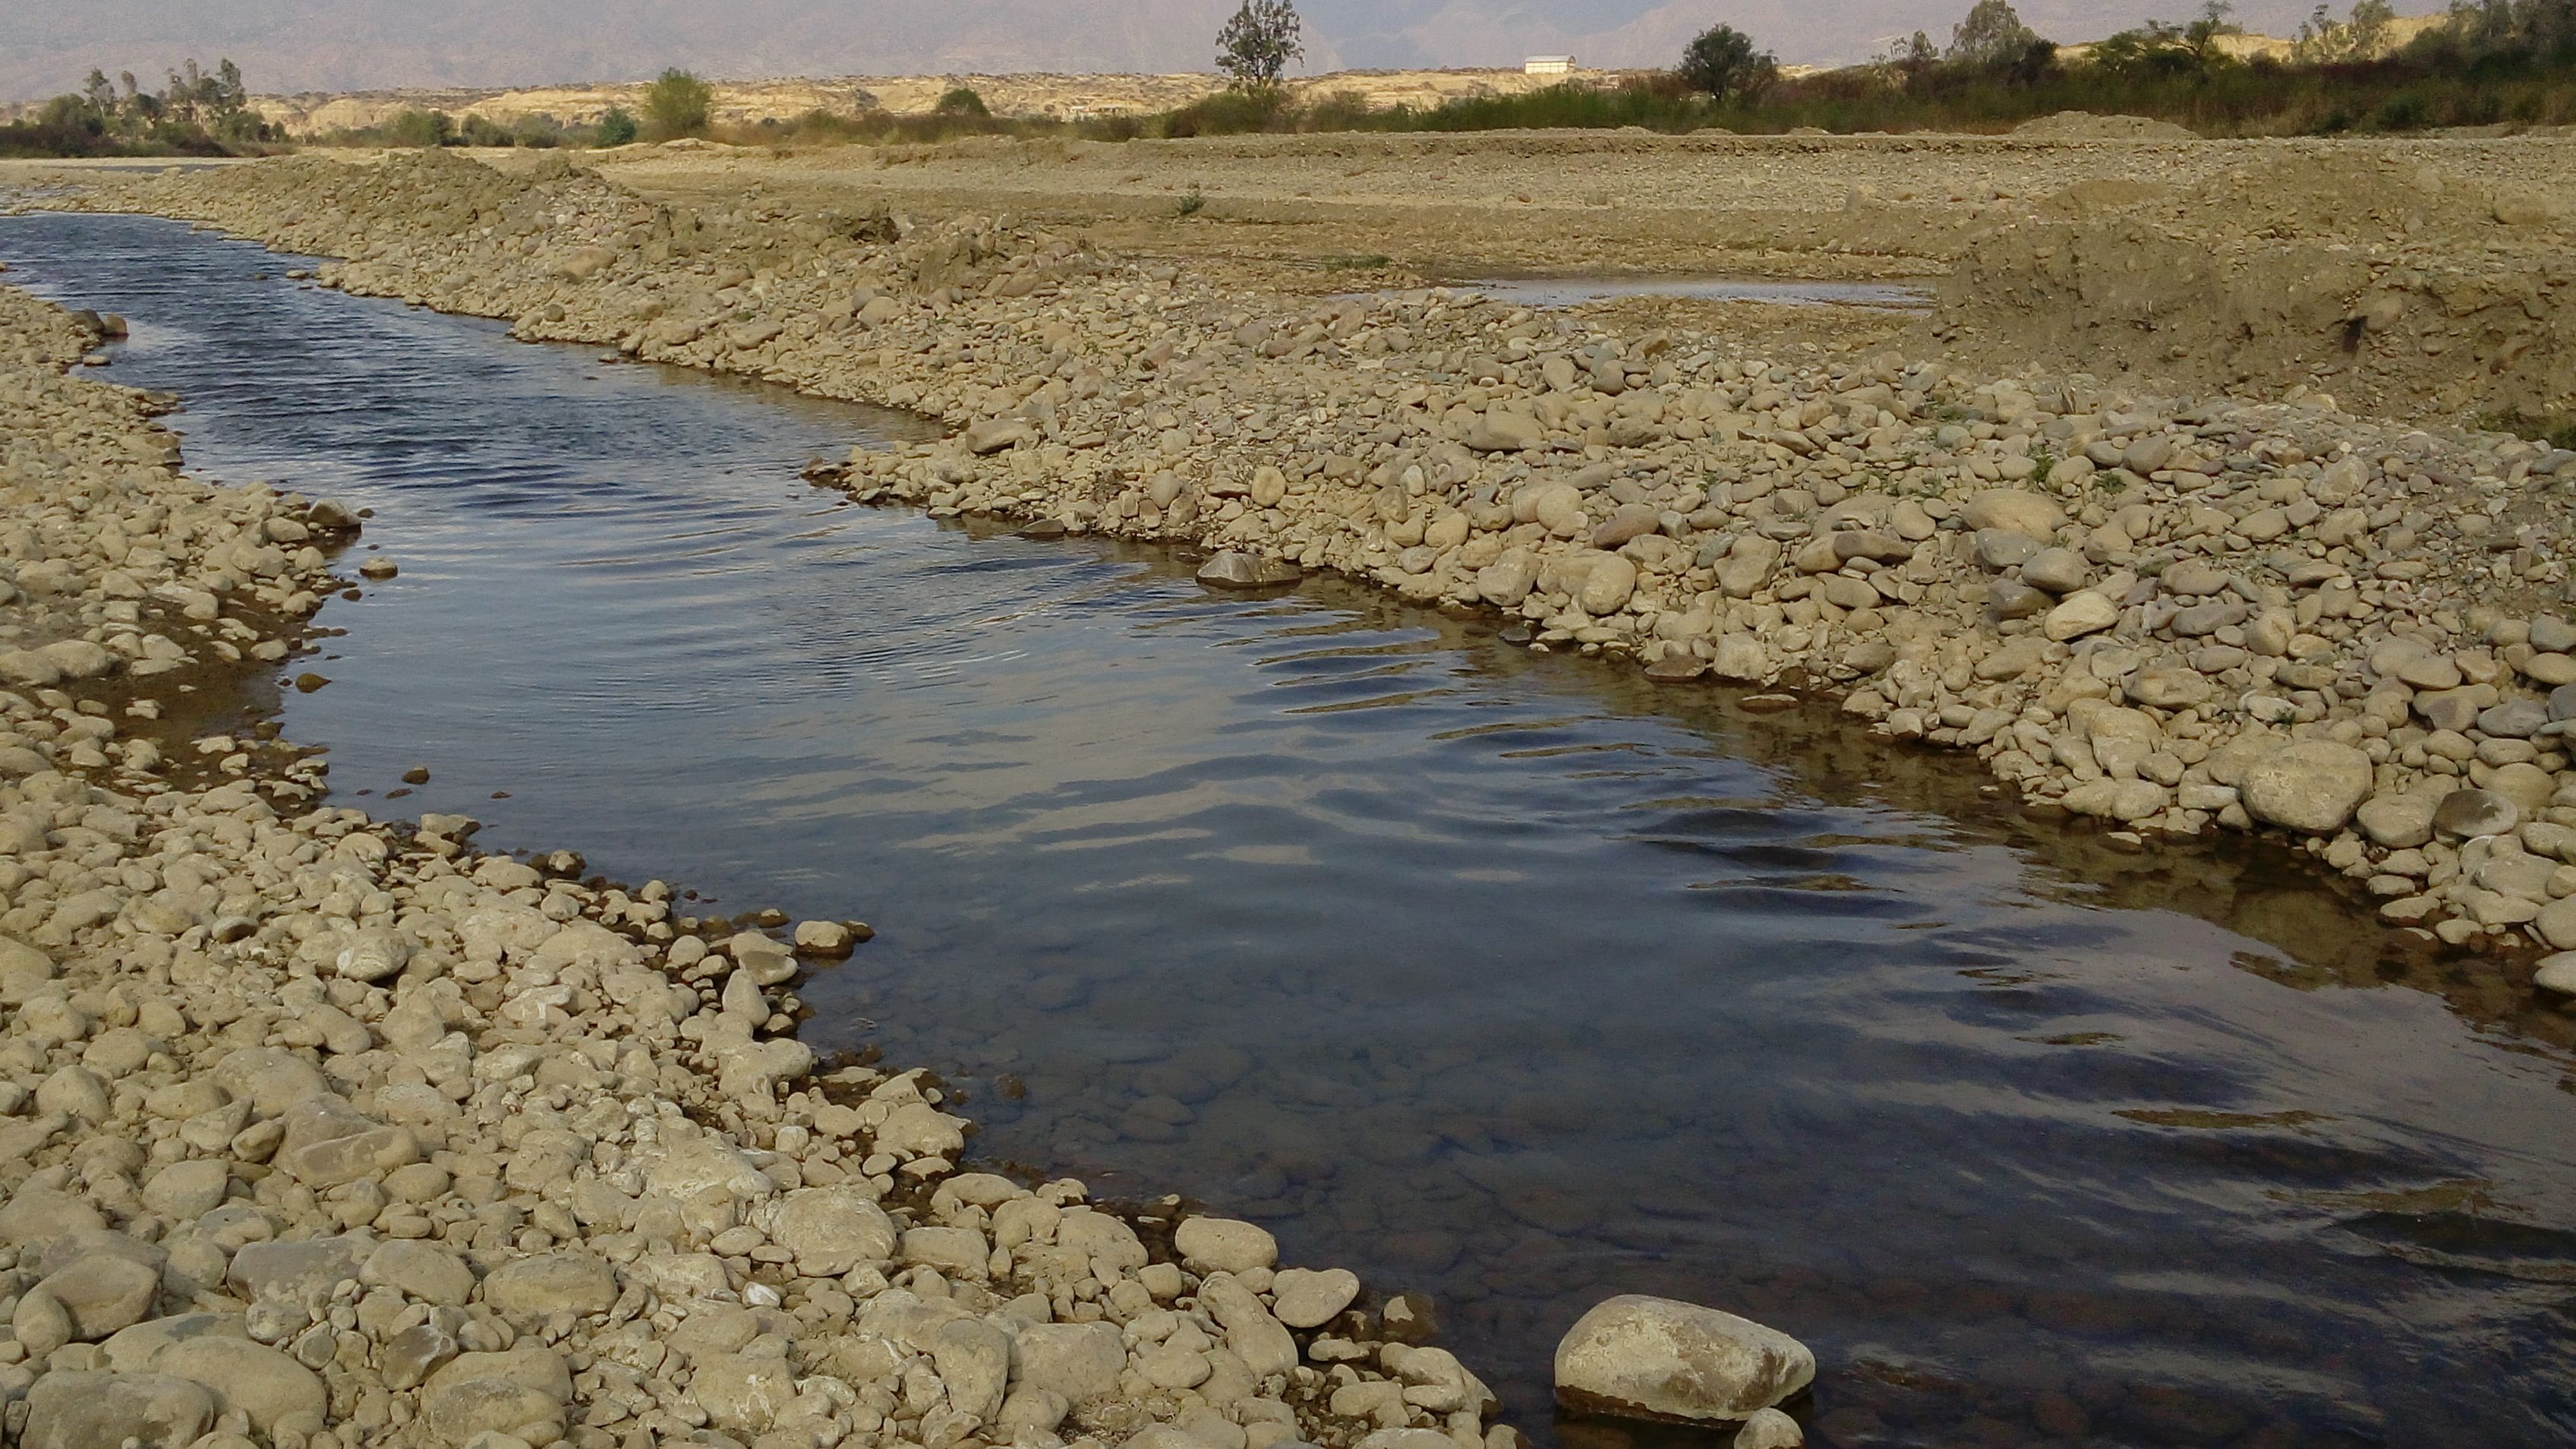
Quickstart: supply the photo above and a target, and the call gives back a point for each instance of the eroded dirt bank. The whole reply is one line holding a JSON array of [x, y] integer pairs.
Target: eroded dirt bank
[[319, 1131]]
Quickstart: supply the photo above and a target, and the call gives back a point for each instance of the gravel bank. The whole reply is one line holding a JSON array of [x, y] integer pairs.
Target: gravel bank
[[318, 1131], [2170, 614]]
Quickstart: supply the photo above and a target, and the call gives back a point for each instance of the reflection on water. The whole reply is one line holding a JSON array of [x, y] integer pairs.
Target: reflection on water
[[1503, 976]]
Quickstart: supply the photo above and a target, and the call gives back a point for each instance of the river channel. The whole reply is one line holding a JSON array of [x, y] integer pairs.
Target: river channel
[[1506, 977]]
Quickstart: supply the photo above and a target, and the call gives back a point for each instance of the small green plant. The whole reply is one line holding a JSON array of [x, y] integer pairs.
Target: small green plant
[[617, 127], [678, 104], [1192, 204], [1355, 264]]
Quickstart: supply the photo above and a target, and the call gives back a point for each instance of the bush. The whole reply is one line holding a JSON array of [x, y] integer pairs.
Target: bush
[[420, 128], [679, 104], [961, 101], [616, 128], [479, 131]]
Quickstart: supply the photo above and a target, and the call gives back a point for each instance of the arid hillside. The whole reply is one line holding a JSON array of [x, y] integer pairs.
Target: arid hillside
[[1064, 97]]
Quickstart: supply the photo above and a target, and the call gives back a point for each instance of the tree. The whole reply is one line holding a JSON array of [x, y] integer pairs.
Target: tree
[[616, 127], [2324, 40], [677, 105], [100, 95], [961, 101], [1991, 38], [1723, 63], [1254, 48]]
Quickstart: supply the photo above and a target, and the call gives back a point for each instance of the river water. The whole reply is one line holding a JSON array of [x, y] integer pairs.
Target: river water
[[1509, 978]]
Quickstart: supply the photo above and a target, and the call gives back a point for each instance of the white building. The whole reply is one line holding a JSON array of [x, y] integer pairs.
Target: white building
[[1548, 65]]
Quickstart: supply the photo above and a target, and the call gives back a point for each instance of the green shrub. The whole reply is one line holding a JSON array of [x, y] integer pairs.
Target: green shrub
[[419, 128], [678, 104], [616, 128], [961, 101]]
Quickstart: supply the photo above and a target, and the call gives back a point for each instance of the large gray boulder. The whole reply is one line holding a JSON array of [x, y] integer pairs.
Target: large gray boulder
[[1654, 1358]]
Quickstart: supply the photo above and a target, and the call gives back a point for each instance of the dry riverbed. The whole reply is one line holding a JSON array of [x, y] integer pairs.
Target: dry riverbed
[[318, 1131]]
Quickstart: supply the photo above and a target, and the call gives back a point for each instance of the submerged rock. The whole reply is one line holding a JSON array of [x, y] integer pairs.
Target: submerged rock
[[1232, 570]]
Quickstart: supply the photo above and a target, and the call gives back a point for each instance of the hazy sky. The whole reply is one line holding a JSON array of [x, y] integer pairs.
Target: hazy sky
[[46, 46]]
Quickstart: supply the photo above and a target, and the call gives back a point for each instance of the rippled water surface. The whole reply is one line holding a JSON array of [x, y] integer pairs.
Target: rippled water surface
[[1501, 976]]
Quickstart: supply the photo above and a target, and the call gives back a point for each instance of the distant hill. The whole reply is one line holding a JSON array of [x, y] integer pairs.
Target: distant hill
[[342, 46], [1058, 97]]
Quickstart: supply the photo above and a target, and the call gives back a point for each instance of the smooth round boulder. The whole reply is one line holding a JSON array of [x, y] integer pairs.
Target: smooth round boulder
[[77, 1410], [1225, 1245], [534, 1288], [2311, 786], [2557, 973], [1307, 1298], [1639, 1357], [1079, 1361], [831, 1230], [2014, 510]]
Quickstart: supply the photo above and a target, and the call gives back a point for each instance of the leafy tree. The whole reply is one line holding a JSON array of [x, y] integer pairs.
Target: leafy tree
[[100, 96], [1254, 48], [679, 104], [1990, 38], [2161, 47], [1723, 63], [2324, 40], [616, 127], [961, 101]]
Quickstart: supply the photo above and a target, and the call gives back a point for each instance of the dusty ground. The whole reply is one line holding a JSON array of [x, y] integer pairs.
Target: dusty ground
[[2203, 264]]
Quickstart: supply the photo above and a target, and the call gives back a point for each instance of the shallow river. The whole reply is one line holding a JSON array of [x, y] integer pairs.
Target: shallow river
[[1501, 976]]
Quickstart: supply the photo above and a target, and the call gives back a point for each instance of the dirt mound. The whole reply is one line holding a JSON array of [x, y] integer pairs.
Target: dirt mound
[[2086, 126], [2394, 286]]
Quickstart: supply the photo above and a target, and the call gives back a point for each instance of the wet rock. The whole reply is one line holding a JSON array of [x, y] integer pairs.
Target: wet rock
[[2472, 812], [1654, 1358], [2557, 973], [1233, 570], [1770, 1429]]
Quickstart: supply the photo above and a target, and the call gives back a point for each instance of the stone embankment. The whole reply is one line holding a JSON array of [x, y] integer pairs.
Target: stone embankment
[[2171, 615], [318, 1131]]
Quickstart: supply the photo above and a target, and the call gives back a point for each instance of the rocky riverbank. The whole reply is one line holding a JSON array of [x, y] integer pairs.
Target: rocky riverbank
[[2171, 615], [318, 1131]]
